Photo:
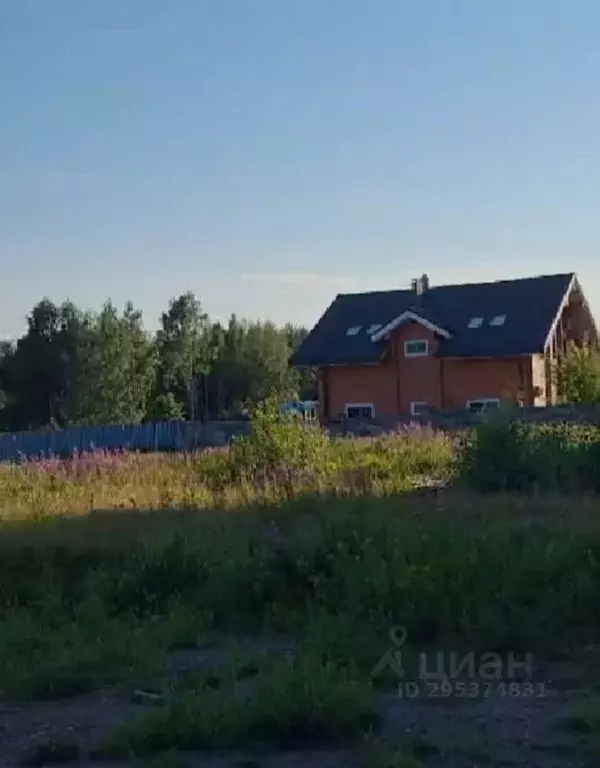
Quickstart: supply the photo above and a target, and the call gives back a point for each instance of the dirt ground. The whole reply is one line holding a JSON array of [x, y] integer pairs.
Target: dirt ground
[[496, 730]]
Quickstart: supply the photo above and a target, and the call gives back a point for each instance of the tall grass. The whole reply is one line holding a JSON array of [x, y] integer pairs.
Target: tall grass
[[508, 455], [328, 545], [280, 461], [328, 528]]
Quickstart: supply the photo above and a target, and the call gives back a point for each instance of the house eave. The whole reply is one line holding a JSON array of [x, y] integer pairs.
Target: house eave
[[409, 316], [443, 356], [561, 307]]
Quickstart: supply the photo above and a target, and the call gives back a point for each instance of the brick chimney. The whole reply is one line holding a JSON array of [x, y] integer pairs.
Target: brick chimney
[[420, 285]]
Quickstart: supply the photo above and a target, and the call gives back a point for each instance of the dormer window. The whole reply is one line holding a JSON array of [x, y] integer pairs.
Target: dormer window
[[475, 322], [354, 330], [417, 348], [498, 320]]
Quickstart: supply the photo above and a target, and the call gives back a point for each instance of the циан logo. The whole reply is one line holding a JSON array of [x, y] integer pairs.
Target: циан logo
[[392, 659]]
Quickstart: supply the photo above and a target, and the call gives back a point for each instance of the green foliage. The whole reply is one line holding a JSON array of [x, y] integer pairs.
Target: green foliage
[[37, 373], [184, 352], [116, 369], [285, 461], [73, 367], [303, 702], [97, 599], [578, 375], [505, 454], [584, 718], [330, 550], [165, 407], [159, 578], [251, 364], [340, 571], [279, 443], [53, 651]]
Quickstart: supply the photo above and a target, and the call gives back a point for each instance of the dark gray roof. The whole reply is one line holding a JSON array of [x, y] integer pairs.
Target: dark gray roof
[[530, 305]]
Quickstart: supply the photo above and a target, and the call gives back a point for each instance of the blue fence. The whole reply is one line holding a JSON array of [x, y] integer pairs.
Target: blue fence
[[153, 436]]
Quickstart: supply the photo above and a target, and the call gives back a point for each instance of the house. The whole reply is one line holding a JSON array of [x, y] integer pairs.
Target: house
[[447, 347]]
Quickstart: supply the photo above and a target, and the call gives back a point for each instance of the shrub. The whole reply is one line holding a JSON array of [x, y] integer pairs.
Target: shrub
[[279, 443], [578, 375], [506, 454]]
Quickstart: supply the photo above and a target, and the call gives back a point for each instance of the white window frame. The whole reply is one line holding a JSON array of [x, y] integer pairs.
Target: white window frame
[[360, 405], [415, 405], [416, 354], [485, 401]]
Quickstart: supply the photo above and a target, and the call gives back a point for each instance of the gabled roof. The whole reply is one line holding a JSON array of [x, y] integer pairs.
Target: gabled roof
[[415, 314], [530, 305]]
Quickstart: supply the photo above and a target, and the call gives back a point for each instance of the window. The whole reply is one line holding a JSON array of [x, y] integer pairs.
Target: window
[[374, 328], [415, 348], [475, 322], [417, 408], [483, 404], [498, 320], [360, 410], [353, 330]]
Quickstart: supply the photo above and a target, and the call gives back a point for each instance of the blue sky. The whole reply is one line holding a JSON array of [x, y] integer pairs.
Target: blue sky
[[268, 154]]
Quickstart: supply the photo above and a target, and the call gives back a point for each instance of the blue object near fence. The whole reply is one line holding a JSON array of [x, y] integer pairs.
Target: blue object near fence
[[152, 436]]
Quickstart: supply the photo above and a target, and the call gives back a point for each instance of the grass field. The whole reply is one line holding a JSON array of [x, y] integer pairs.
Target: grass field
[[232, 608]]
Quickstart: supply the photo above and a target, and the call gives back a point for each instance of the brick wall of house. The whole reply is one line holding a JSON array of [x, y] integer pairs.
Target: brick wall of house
[[374, 384], [419, 377], [445, 384], [464, 380]]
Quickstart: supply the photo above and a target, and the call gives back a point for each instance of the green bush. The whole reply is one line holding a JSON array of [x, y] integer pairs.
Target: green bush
[[279, 443], [506, 454]]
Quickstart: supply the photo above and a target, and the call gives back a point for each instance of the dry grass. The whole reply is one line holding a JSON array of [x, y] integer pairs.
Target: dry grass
[[219, 479]]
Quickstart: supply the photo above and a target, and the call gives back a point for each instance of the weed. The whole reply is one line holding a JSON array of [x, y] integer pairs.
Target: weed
[[52, 752], [584, 718], [380, 754], [301, 703]]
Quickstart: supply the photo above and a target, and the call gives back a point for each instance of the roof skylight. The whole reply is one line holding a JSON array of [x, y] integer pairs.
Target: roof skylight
[[475, 322], [354, 330], [374, 328], [498, 320]]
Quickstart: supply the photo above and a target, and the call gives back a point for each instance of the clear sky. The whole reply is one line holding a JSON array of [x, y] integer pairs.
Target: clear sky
[[268, 154]]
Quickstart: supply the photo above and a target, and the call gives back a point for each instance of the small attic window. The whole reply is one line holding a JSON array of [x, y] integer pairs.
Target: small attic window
[[374, 328], [475, 322], [354, 330], [498, 320]]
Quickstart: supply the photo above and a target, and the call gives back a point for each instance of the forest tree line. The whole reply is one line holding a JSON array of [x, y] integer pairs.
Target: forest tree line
[[75, 367]]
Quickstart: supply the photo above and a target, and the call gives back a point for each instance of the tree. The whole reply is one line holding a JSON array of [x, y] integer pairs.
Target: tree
[[117, 369], [6, 354], [305, 377], [165, 407], [266, 366], [76, 367], [578, 375], [228, 384], [183, 343], [39, 373]]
